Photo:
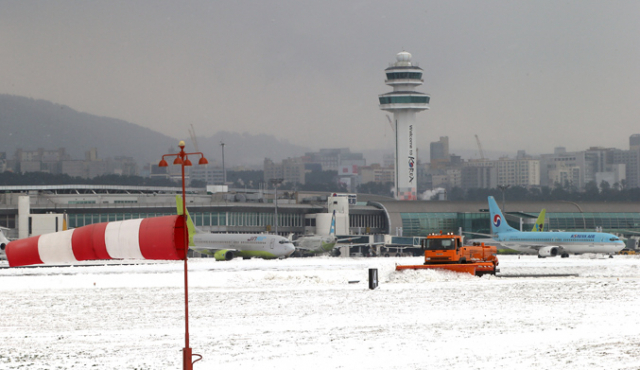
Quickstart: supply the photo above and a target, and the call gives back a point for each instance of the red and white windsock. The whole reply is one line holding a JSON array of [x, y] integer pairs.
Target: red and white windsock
[[156, 238]]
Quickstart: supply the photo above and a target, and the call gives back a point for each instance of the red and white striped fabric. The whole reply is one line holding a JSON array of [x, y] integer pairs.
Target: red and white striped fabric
[[157, 238]]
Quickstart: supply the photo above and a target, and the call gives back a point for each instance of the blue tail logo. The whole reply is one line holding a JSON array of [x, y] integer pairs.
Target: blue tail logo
[[498, 222]]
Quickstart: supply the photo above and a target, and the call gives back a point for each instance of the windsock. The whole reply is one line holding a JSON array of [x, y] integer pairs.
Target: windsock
[[156, 238]]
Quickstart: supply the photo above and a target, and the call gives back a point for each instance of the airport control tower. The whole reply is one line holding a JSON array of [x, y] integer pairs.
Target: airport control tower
[[404, 102]]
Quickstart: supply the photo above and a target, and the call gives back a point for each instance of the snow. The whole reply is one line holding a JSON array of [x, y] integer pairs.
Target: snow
[[303, 313]]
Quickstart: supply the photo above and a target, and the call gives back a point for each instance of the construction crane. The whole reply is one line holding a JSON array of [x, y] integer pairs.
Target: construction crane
[[192, 133], [480, 148]]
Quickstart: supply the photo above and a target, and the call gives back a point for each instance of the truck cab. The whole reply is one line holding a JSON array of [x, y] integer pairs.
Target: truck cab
[[449, 248]]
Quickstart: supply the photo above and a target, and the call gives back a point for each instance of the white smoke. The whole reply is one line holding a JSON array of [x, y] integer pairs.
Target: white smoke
[[427, 195]]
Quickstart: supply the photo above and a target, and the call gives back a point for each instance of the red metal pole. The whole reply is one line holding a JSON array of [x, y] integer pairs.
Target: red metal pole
[[186, 352]]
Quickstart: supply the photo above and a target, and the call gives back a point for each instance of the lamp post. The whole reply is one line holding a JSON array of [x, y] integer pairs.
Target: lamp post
[[275, 183], [182, 159], [224, 172], [503, 189]]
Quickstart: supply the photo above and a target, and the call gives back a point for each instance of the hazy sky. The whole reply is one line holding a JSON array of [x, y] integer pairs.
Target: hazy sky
[[522, 75]]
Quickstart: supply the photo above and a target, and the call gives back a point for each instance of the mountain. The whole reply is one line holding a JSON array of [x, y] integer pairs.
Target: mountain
[[31, 124], [247, 149]]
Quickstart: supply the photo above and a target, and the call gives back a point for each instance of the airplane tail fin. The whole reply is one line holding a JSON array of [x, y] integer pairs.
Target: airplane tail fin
[[332, 230], [539, 226], [190, 226], [498, 222]]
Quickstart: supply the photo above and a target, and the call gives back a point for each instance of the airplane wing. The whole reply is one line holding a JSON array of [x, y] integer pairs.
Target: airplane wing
[[345, 239], [359, 244], [538, 247], [481, 234]]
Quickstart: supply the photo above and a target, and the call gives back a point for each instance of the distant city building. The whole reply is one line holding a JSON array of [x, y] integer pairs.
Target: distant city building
[[484, 177], [634, 142], [209, 174], [40, 160], [3, 161], [439, 151], [388, 160], [59, 162], [376, 173], [564, 168], [631, 160], [291, 170], [332, 159], [596, 164], [520, 171], [615, 177], [349, 177]]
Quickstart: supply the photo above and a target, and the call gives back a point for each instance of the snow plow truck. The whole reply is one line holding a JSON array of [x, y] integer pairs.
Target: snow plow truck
[[447, 252]]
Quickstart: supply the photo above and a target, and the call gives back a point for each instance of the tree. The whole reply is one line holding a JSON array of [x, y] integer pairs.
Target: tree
[[591, 191], [376, 188], [249, 178], [455, 193], [198, 184], [605, 190], [322, 181]]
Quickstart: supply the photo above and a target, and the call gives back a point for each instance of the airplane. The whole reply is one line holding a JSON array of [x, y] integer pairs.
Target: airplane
[[318, 244], [550, 244], [225, 247], [539, 226]]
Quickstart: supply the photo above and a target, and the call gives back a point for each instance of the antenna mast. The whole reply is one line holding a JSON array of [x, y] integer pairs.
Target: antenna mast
[[192, 133], [480, 148]]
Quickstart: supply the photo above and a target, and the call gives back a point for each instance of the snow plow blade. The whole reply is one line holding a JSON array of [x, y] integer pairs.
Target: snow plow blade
[[477, 269]]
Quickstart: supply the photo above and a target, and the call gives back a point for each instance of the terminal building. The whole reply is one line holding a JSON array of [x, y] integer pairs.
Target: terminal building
[[250, 211]]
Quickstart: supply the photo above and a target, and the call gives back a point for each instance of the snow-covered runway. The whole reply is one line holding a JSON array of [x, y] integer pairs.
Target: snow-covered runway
[[303, 314]]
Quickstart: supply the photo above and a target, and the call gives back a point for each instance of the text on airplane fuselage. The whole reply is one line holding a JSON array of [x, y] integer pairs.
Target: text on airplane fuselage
[[583, 236]]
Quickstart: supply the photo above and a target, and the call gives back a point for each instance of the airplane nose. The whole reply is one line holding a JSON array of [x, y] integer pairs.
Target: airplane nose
[[290, 249]]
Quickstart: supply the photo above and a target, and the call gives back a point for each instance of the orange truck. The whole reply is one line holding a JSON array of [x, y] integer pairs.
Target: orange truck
[[447, 252]]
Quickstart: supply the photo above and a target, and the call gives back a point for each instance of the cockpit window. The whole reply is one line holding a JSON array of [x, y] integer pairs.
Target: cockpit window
[[283, 241], [614, 239]]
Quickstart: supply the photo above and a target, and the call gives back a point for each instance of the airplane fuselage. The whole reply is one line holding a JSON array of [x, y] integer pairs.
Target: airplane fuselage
[[317, 243], [245, 245], [570, 242]]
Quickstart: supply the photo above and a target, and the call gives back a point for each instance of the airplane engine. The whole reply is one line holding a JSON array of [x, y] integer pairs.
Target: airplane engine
[[2, 246], [224, 255], [156, 238], [548, 252]]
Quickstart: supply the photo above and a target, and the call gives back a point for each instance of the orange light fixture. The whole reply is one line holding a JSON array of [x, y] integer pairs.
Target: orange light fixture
[[178, 160], [187, 162], [163, 163], [203, 160]]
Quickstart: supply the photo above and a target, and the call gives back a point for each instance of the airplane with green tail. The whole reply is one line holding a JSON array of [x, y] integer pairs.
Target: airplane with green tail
[[225, 247]]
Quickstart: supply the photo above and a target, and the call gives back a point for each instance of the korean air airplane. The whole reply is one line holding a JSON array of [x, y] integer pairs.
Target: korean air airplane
[[550, 244]]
